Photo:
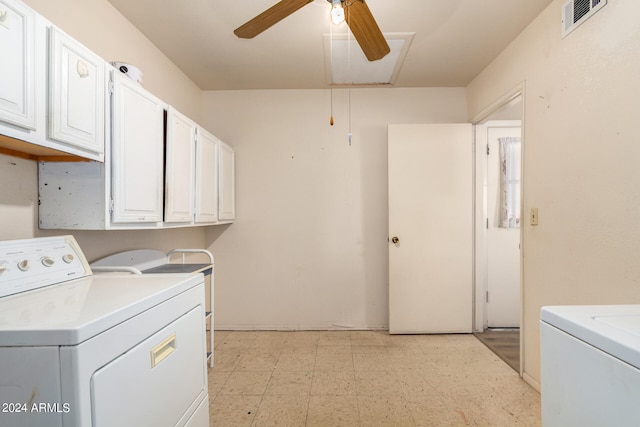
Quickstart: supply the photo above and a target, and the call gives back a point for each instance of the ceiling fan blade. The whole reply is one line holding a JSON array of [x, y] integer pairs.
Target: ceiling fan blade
[[365, 30], [269, 17]]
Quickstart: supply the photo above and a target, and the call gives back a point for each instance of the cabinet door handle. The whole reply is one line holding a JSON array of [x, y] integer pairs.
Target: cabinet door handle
[[82, 69], [3, 17], [163, 350]]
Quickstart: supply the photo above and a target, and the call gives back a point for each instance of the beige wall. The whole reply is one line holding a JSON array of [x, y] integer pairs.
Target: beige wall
[[309, 247], [18, 198], [581, 159], [100, 27]]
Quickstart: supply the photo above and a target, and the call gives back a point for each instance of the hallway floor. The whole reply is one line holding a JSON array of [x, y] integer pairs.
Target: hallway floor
[[364, 378], [505, 343]]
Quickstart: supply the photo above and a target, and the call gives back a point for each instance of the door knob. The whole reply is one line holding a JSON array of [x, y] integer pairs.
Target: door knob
[[395, 240]]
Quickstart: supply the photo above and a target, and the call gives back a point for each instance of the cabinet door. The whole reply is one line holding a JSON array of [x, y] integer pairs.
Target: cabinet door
[[17, 73], [137, 153], [226, 187], [206, 177], [76, 93], [179, 179]]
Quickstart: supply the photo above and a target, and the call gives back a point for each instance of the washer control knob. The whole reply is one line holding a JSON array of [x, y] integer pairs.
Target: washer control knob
[[48, 261], [24, 265], [3, 268], [68, 258]]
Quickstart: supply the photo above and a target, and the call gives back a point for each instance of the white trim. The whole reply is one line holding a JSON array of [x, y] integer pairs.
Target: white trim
[[479, 318], [531, 381], [503, 100]]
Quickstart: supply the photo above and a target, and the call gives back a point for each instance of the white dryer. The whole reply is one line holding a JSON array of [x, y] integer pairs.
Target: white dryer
[[108, 350]]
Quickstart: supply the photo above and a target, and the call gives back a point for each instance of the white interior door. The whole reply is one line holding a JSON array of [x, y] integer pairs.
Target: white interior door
[[503, 244], [430, 214]]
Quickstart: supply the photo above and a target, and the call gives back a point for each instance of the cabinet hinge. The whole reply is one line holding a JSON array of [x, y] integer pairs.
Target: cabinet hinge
[[487, 223], [111, 206], [487, 296], [488, 150], [110, 87]]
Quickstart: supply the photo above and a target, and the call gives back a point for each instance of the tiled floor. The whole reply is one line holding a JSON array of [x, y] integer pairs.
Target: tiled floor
[[364, 378]]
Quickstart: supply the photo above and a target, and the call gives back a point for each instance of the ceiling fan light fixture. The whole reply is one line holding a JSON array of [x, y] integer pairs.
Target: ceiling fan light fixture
[[337, 12]]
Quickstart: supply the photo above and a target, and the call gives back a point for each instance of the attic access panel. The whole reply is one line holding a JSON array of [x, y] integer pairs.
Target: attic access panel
[[345, 64]]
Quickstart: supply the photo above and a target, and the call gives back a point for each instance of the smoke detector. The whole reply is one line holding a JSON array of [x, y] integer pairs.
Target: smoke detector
[[575, 12]]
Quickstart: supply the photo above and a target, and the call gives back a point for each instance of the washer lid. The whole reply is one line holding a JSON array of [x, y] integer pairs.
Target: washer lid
[[614, 329], [72, 312]]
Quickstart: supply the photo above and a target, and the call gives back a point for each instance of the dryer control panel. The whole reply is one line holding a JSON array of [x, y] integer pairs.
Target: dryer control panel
[[34, 263]]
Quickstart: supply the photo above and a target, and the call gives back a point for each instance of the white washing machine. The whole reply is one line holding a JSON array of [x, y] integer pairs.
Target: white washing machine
[[107, 350], [590, 365]]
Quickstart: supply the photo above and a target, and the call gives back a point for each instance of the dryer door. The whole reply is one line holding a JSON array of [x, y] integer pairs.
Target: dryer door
[[157, 382]]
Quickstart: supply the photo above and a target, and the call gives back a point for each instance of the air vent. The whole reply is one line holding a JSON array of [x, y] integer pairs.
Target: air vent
[[575, 12]]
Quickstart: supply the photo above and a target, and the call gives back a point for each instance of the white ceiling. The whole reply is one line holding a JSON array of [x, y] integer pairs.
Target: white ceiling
[[454, 39]]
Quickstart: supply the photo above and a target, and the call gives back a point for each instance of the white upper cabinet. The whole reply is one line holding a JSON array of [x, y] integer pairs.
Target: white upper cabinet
[[56, 94], [226, 186], [52, 89], [180, 168], [76, 94], [125, 192], [137, 153], [206, 178], [17, 72], [191, 174]]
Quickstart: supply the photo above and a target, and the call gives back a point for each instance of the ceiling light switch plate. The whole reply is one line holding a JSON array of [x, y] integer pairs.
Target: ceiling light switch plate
[[533, 216]]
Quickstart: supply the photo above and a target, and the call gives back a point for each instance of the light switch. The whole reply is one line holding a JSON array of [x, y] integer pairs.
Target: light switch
[[533, 216]]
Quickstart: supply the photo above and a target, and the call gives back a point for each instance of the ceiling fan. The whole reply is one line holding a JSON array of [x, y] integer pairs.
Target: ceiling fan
[[356, 14]]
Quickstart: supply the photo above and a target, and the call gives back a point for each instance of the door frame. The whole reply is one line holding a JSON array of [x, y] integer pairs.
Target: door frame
[[480, 215]]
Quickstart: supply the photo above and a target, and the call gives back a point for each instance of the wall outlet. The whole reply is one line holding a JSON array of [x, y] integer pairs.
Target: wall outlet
[[533, 216]]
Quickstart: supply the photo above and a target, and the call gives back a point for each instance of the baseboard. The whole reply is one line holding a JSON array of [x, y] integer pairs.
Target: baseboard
[[531, 381], [263, 327]]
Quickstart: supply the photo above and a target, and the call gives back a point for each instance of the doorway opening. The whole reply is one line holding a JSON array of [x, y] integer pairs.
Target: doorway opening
[[505, 343], [498, 235]]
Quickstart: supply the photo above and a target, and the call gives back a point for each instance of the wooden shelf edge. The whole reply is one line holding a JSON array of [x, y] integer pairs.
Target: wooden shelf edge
[[42, 158]]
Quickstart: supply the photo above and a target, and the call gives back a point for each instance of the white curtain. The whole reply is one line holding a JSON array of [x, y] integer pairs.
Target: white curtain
[[509, 182]]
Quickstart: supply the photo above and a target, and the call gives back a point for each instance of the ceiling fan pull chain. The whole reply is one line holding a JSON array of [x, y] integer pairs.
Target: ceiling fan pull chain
[[349, 117], [349, 68], [331, 119], [331, 56]]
